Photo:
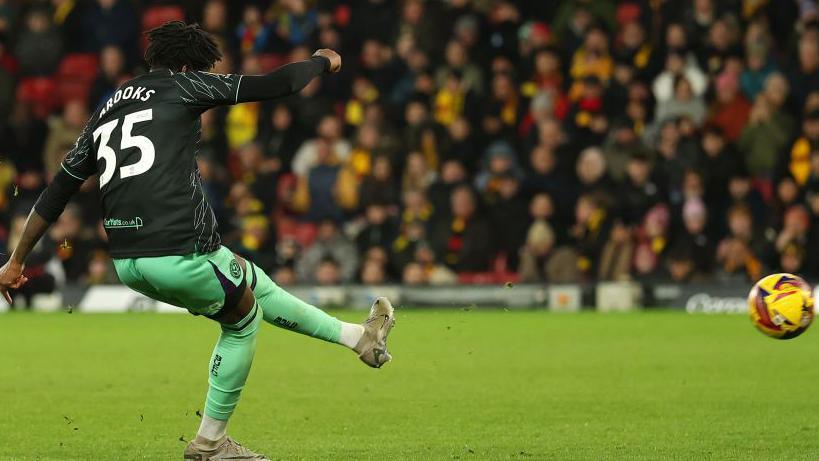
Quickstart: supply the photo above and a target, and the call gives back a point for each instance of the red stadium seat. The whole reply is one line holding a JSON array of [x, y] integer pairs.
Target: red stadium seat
[[41, 93], [158, 15], [289, 228], [70, 91], [75, 76], [82, 66]]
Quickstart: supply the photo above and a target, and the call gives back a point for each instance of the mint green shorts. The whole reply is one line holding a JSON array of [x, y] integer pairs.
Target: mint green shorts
[[200, 283]]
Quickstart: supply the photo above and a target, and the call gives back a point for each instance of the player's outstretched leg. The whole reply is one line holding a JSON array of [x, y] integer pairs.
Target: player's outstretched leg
[[229, 368], [368, 340]]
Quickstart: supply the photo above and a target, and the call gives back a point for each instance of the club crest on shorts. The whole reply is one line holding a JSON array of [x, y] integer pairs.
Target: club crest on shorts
[[235, 270]]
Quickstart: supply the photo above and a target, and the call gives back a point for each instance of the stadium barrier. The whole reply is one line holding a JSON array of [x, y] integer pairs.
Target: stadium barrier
[[605, 297]]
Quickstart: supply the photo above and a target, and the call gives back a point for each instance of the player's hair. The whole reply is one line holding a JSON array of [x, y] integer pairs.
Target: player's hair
[[176, 44]]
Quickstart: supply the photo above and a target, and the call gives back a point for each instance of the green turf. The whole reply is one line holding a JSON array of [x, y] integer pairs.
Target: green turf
[[468, 385]]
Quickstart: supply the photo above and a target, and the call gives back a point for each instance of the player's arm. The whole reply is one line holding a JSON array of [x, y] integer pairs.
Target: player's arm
[[77, 166], [288, 79], [203, 90]]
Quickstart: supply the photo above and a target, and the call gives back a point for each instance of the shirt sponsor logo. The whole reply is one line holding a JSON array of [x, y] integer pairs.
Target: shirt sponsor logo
[[123, 223]]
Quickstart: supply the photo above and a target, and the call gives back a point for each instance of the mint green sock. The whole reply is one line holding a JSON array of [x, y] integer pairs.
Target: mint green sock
[[287, 311], [230, 365]]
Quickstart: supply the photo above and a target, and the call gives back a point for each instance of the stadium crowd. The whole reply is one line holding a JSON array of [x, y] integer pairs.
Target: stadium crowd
[[472, 141]]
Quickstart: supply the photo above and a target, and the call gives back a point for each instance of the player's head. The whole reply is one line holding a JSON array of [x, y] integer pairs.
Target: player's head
[[176, 45]]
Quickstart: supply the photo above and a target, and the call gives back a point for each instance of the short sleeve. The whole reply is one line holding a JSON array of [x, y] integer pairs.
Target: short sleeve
[[204, 90], [80, 162]]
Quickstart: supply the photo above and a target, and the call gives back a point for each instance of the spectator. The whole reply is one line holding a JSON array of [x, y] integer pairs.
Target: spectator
[[534, 255], [330, 259], [592, 59], [327, 272], [651, 241], [679, 66], [591, 172], [693, 238], [328, 132], [435, 273], [457, 60], [451, 100], [413, 274], [639, 191], [417, 174], [24, 137], [214, 18], [751, 249], [367, 144], [112, 74], [589, 233], [683, 104], [616, 256], [759, 68], [327, 189], [372, 273], [452, 175], [380, 187], [737, 263], [280, 136], [674, 159], [742, 193], [508, 212], [296, 23], [769, 128], [797, 162], [464, 239], [634, 49], [794, 229], [720, 44], [62, 134], [39, 47], [379, 230], [792, 259], [259, 172], [253, 33], [111, 22], [681, 267], [285, 276], [805, 77], [586, 111], [499, 161], [717, 161], [730, 111]]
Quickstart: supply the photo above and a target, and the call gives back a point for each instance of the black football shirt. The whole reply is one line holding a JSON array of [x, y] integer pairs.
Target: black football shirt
[[142, 143]]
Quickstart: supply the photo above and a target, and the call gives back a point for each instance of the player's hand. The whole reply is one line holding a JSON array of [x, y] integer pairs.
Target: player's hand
[[335, 58], [11, 276]]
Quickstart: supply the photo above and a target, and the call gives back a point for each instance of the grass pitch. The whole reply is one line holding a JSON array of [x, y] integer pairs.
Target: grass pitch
[[467, 385]]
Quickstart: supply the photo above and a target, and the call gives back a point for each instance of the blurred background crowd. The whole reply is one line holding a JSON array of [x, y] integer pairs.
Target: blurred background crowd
[[464, 141]]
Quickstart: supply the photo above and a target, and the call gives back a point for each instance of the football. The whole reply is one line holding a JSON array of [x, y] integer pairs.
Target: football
[[781, 306]]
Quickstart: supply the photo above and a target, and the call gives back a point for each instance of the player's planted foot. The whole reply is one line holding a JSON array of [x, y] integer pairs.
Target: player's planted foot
[[372, 347], [226, 448]]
